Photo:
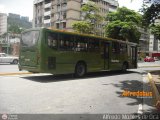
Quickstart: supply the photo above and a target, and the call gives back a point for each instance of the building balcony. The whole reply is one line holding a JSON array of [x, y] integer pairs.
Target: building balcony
[[84, 2], [48, 13], [48, 5], [112, 10], [64, 1], [113, 3], [47, 21], [37, 1]]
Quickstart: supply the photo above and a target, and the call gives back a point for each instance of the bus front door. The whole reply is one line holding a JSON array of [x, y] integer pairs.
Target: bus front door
[[106, 56]]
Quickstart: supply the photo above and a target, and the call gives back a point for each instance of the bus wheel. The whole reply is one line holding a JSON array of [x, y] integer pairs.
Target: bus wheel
[[124, 67], [80, 69]]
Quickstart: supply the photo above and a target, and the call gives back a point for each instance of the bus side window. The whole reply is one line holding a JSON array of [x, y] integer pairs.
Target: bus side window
[[66, 42], [81, 44], [116, 47], [123, 48], [52, 40], [94, 45]]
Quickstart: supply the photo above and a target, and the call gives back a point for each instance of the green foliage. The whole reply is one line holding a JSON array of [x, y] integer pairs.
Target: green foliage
[[90, 19], [150, 14], [155, 29], [16, 25], [15, 29], [122, 30], [123, 25], [90, 13], [125, 15], [82, 27]]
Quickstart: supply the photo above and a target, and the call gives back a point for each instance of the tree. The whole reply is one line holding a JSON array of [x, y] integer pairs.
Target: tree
[[123, 24], [90, 13], [90, 19], [82, 27], [15, 29], [150, 10], [155, 29], [151, 14], [125, 15]]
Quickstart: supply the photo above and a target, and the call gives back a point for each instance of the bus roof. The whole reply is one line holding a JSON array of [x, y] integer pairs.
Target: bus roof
[[80, 34]]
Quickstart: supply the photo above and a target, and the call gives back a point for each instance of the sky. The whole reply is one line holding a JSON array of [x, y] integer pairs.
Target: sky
[[25, 7]]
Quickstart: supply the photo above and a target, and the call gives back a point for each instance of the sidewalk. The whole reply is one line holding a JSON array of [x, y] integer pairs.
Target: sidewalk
[[142, 64], [154, 78]]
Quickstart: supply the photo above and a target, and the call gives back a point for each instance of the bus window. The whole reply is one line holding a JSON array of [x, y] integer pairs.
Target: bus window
[[115, 47], [66, 42], [93, 45], [52, 40], [81, 44], [123, 48], [30, 38]]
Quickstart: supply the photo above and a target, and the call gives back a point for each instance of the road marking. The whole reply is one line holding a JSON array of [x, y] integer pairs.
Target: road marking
[[145, 78], [15, 73], [140, 109]]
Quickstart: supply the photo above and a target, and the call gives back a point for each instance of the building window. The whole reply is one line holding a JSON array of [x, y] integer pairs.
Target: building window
[[47, 1], [57, 25], [64, 6], [58, 7], [57, 16], [64, 15], [64, 24], [46, 17], [52, 15], [47, 9]]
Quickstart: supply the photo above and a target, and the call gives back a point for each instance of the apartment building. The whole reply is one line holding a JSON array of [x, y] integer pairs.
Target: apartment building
[[154, 44], [60, 14], [3, 23], [144, 40]]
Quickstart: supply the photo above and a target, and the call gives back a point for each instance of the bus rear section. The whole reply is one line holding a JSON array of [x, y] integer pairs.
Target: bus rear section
[[29, 51]]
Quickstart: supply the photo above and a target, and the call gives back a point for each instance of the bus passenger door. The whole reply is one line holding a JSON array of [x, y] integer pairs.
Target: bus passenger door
[[106, 55], [133, 55]]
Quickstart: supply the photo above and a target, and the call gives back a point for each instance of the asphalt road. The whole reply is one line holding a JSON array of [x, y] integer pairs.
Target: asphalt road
[[6, 67], [97, 93]]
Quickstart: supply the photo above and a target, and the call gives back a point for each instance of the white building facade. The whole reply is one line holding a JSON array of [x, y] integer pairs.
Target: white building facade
[[3, 23]]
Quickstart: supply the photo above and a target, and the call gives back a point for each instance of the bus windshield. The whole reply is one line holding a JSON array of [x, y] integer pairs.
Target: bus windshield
[[29, 38]]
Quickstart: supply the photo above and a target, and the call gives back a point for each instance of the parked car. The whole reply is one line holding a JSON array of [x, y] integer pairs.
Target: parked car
[[156, 59], [4, 58], [149, 59]]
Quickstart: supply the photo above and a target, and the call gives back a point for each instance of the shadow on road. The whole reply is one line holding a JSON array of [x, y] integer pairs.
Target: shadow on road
[[135, 86], [68, 77]]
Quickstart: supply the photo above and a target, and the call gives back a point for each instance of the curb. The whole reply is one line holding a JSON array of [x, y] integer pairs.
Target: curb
[[15, 73], [147, 66], [156, 94]]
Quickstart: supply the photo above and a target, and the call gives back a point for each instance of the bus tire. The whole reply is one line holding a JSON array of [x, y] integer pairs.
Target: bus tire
[[15, 61], [124, 67], [80, 69]]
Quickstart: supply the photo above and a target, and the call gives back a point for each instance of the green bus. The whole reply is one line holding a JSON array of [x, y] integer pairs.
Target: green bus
[[45, 50]]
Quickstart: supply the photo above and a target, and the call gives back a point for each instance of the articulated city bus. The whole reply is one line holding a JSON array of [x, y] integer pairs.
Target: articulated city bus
[[59, 52]]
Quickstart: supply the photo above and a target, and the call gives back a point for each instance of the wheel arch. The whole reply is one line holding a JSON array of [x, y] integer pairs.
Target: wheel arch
[[81, 61], [126, 63]]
